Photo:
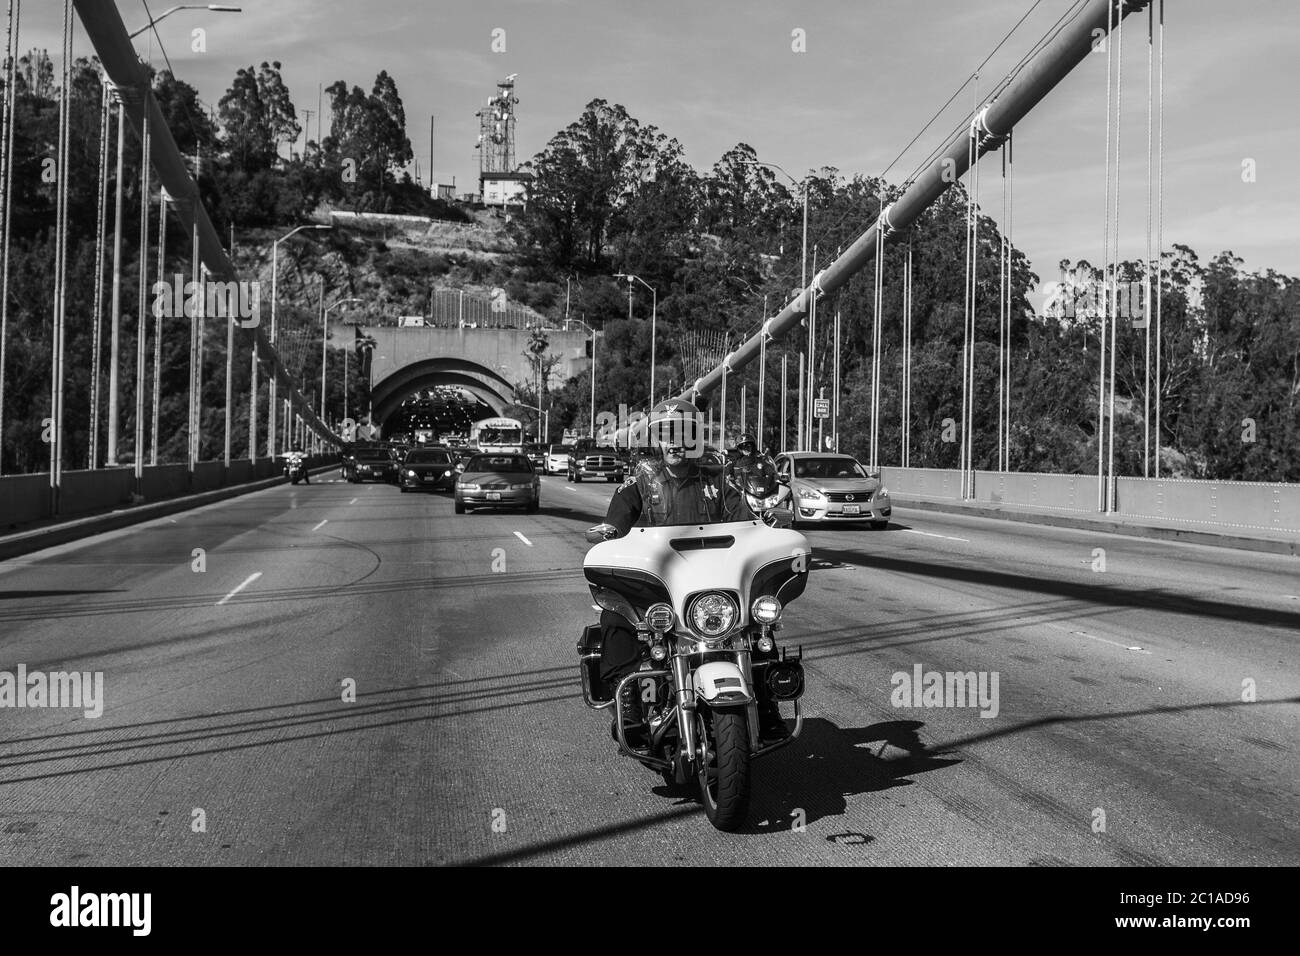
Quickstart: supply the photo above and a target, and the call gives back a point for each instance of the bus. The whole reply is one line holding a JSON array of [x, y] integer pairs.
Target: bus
[[505, 435]]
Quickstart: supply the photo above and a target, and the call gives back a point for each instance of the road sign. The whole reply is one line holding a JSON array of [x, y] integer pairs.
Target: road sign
[[821, 408]]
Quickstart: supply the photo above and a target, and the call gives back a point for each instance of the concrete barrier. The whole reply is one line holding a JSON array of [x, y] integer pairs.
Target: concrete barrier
[[26, 499], [1234, 505]]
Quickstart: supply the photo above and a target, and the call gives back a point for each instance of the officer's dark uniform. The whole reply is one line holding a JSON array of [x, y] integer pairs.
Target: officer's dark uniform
[[653, 497]]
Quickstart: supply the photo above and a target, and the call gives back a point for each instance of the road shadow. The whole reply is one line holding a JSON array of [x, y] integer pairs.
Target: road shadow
[[1093, 591], [814, 776]]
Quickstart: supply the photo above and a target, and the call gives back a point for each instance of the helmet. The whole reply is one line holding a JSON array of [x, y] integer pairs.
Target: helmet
[[675, 424], [757, 478], [747, 439]]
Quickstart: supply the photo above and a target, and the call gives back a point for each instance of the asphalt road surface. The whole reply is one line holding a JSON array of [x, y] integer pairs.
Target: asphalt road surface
[[1147, 712]]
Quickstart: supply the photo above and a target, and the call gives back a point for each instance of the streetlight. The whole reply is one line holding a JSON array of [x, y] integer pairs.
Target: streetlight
[[324, 334], [271, 410], [215, 7], [591, 424], [803, 278], [654, 313]]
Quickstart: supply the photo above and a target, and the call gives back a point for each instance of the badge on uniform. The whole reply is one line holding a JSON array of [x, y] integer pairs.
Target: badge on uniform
[[710, 492], [629, 483]]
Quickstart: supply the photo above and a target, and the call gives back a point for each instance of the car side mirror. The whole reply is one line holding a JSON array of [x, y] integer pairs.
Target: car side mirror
[[601, 532]]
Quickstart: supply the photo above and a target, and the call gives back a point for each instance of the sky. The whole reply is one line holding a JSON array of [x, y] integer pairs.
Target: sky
[[722, 72]]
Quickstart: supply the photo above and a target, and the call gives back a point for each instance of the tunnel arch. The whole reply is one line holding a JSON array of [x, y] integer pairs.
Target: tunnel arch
[[483, 383]]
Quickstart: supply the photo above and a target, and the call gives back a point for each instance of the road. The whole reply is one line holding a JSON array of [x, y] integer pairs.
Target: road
[[1121, 737]]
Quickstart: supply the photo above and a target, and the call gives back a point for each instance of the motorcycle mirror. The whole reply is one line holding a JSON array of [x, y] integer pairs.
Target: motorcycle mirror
[[460, 467], [783, 479], [601, 532]]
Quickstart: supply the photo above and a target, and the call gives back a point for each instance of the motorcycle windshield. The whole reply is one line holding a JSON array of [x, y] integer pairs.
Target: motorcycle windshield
[[743, 558]]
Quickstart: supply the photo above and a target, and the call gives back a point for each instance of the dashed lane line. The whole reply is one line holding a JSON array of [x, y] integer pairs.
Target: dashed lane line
[[247, 581]]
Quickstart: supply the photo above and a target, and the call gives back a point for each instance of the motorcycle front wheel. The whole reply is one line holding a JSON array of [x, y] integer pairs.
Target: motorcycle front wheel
[[724, 769]]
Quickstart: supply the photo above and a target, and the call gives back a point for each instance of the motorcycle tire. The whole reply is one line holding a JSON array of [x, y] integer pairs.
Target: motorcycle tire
[[726, 800], [293, 481]]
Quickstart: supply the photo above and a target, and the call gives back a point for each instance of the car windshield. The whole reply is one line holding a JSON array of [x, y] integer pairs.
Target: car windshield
[[374, 456], [506, 463], [427, 458], [490, 435], [828, 468], [561, 449]]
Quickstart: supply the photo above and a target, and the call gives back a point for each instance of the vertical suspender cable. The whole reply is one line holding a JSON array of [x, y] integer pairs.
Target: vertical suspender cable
[[157, 323], [6, 194], [972, 155], [1146, 264], [101, 222], [1160, 224], [835, 428], [1114, 311], [1002, 300], [907, 360], [142, 327], [1102, 299], [876, 329], [60, 265], [1011, 248]]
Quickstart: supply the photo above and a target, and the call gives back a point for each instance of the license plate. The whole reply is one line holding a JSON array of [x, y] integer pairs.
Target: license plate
[[494, 496], [429, 478], [853, 509]]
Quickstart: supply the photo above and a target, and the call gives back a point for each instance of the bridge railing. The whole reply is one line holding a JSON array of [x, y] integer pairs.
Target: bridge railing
[[25, 499], [1238, 506], [451, 308]]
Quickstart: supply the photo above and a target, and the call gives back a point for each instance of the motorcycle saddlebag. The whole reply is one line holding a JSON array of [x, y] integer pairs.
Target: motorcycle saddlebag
[[595, 690]]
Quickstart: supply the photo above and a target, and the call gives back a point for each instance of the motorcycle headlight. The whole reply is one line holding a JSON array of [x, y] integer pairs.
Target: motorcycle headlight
[[410, 473], [713, 614], [765, 609], [660, 617], [811, 494]]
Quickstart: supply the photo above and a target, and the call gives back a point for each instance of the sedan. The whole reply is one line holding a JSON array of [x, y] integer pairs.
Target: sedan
[[427, 469], [370, 464], [557, 459], [498, 481], [834, 488]]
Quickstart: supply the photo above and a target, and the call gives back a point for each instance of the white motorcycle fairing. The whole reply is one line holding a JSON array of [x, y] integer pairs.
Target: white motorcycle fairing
[[721, 684], [688, 559]]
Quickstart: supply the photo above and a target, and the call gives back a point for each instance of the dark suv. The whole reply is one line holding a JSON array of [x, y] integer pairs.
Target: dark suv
[[589, 460]]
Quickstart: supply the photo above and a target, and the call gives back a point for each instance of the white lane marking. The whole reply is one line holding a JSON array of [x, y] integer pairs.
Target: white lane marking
[[247, 581], [567, 488], [523, 539], [1094, 637], [323, 522], [353, 501], [931, 534]]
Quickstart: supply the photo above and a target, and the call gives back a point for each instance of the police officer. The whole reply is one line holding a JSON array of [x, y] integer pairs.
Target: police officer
[[671, 490]]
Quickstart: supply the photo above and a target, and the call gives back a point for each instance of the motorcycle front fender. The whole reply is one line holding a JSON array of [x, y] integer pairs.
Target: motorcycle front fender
[[722, 684]]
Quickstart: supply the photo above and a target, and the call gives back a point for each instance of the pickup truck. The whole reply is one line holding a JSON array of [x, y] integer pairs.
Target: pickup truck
[[589, 460]]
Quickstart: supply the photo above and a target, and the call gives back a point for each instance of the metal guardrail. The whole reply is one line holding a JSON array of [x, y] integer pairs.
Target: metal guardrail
[[1272, 507]]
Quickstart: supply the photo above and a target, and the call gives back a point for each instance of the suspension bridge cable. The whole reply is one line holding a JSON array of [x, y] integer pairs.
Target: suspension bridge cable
[[6, 194], [1105, 261]]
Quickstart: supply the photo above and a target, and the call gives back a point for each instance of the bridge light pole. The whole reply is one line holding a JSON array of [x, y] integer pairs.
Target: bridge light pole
[[271, 407], [324, 334], [654, 314], [214, 7], [591, 424]]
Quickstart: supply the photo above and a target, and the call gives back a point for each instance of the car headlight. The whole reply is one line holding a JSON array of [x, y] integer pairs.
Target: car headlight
[[713, 614], [883, 492], [410, 473], [811, 494], [468, 487], [766, 609], [521, 486]]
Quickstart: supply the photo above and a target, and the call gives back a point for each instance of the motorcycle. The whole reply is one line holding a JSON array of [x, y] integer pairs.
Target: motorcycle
[[766, 492], [296, 469], [706, 602]]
